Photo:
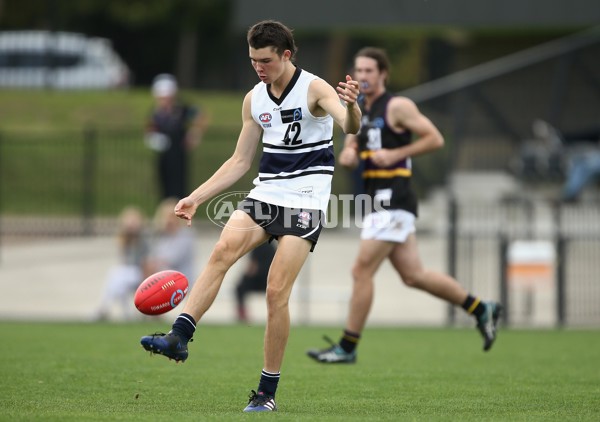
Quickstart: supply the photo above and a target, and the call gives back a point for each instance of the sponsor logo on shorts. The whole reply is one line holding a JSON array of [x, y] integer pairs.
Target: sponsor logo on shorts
[[304, 220]]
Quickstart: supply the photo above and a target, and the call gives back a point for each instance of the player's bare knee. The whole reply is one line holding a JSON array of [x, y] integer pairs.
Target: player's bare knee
[[411, 280], [223, 255], [356, 273], [276, 297], [360, 272]]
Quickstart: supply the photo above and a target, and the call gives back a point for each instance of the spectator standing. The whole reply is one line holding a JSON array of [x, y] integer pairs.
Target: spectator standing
[[173, 130]]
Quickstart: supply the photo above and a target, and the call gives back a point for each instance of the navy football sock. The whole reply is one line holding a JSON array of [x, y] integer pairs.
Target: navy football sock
[[184, 326], [268, 383]]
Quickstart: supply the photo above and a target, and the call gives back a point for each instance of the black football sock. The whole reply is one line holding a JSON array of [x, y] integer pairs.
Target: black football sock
[[349, 341], [268, 383], [184, 326], [474, 306]]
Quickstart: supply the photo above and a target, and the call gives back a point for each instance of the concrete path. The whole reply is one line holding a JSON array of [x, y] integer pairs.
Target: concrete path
[[63, 279]]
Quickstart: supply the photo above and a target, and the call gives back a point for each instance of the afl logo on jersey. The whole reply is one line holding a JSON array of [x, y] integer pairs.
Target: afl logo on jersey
[[265, 117]]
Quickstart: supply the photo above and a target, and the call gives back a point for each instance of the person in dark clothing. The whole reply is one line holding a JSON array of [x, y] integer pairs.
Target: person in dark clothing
[[393, 130], [173, 130], [254, 278]]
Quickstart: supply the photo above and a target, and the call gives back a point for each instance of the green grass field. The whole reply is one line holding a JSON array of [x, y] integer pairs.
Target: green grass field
[[87, 372], [43, 156]]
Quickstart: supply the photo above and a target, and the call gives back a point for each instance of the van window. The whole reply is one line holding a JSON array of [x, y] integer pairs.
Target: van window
[[38, 59], [61, 60]]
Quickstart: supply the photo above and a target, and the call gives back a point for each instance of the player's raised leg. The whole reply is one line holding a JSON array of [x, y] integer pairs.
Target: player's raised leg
[[240, 235]]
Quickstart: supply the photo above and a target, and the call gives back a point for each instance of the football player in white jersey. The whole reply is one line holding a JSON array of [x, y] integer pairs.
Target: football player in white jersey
[[292, 112]]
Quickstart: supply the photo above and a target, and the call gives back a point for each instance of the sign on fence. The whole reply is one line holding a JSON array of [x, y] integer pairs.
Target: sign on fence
[[531, 269], [531, 262]]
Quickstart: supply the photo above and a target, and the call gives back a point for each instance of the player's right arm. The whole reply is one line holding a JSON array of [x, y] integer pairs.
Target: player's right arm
[[231, 170]]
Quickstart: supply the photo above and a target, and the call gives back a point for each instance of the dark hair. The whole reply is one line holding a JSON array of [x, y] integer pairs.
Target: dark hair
[[270, 33], [377, 54]]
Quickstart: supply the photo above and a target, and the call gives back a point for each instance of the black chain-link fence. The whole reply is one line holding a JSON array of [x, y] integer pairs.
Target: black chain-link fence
[[57, 183], [60, 182]]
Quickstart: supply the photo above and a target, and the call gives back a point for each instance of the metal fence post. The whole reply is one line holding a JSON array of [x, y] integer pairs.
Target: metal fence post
[[561, 243], [503, 260], [90, 136], [2, 177], [452, 245]]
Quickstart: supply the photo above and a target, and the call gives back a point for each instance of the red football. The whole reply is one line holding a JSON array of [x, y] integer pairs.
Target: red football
[[161, 292]]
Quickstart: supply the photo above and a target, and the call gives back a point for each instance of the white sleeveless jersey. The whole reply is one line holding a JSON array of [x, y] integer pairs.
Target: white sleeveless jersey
[[297, 161]]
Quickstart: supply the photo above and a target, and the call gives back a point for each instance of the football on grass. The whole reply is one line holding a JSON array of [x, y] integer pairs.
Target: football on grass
[[161, 292]]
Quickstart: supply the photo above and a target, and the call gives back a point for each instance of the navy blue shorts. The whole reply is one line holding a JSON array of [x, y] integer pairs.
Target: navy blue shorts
[[279, 221]]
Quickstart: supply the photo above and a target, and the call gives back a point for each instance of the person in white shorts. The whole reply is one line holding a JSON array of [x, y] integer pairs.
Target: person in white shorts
[[392, 131]]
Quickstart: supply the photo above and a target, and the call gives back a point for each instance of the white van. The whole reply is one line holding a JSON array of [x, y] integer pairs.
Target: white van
[[59, 60]]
